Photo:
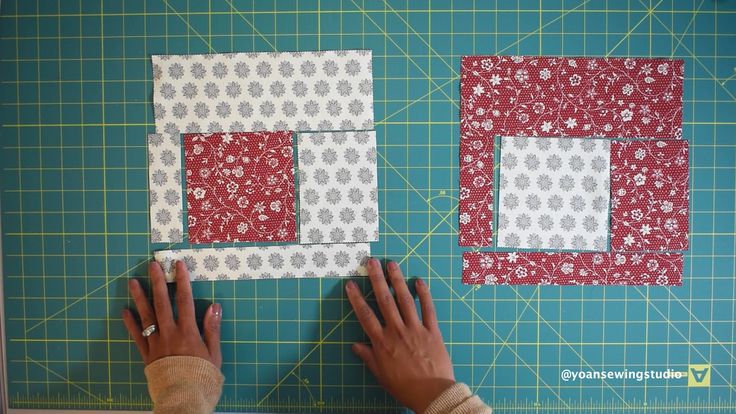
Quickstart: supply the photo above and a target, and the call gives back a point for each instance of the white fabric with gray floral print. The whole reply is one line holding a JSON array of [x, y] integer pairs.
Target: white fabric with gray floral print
[[338, 189], [554, 193], [298, 91], [164, 180], [271, 262]]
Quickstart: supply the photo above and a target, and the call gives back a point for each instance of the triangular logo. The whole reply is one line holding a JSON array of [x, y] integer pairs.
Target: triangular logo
[[699, 374]]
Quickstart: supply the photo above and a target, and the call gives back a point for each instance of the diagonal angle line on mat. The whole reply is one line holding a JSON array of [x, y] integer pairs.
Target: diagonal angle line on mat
[[478, 384], [409, 26], [694, 57], [249, 23], [389, 38], [420, 37], [642, 20], [438, 87], [377, 26], [536, 31], [537, 292], [28, 359], [411, 187], [410, 104], [79, 300], [694, 318], [723, 82], [552, 328], [189, 26], [731, 386], [86, 295], [687, 28]]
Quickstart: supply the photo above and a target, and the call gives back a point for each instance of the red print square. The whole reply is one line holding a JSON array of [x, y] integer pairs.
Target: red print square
[[649, 195], [240, 187]]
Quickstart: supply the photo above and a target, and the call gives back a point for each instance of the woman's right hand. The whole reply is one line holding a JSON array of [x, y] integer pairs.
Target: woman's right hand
[[407, 355]]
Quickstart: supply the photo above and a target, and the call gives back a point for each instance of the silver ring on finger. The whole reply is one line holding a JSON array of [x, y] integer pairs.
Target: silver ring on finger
[[150, 330]]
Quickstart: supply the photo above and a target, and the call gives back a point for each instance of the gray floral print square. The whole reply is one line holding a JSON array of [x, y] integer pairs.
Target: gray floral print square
[[338, 188], [554, 193]]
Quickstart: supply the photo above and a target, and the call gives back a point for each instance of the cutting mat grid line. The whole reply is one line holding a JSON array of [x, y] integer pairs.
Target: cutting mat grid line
[[76, 108]]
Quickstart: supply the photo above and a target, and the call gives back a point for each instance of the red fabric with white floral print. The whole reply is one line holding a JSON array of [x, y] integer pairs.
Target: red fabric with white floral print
[[476, 189], [240, 187], [649, 195], [579, 97], [553, 97], [535, 268]]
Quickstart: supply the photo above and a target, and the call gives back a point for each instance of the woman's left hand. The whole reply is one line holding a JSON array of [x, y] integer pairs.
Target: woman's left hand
[[178, 337]]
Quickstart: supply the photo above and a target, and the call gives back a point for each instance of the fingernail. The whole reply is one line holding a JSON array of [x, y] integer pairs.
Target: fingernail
[[420, 283], [393, 265], [349, 285], [217, 310], [374, 262]]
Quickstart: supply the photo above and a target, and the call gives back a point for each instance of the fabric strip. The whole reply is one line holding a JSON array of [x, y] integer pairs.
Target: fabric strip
[[297, 91], [552, 97], [577, 97], [164, 180], [476, 188], [536, 268], [271, 262], [650, 195]]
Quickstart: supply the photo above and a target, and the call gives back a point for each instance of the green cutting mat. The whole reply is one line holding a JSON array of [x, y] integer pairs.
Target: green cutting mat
[[76, 107]]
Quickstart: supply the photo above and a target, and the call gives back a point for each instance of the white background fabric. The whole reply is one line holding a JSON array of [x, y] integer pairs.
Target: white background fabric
[[297, 91], [338, 189], [554, 193], [271, 262], [165, 197]]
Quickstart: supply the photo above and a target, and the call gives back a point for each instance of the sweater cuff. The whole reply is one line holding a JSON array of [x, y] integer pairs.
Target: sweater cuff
[[458, 399], [184, 383]]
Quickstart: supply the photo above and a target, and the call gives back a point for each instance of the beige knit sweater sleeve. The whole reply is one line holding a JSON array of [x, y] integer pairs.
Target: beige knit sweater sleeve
[[183, 384], [192, 385], [458, 399]]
